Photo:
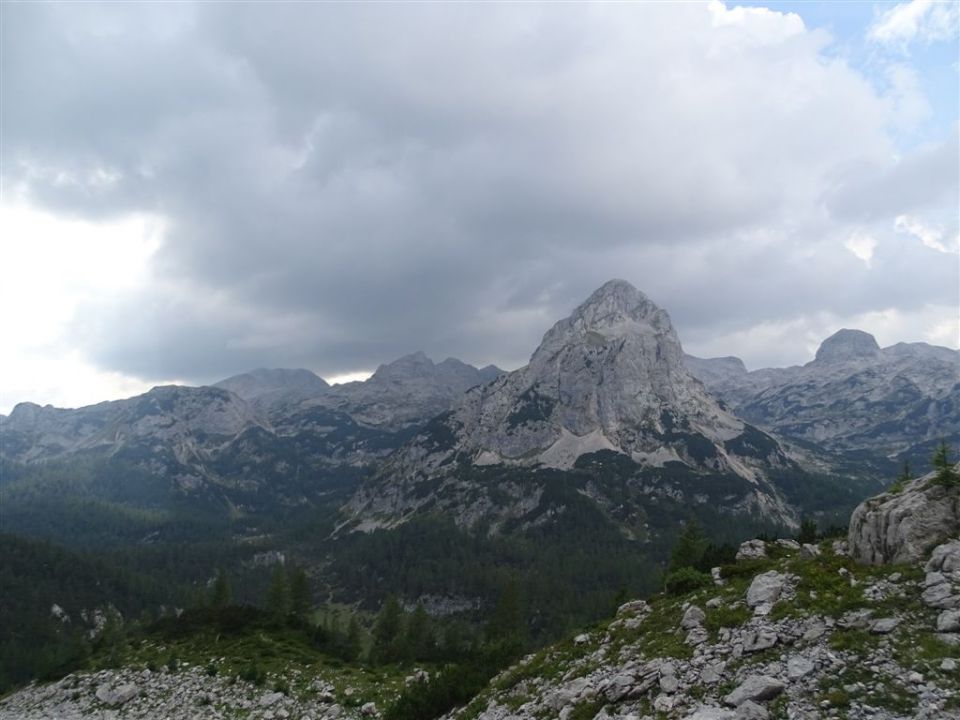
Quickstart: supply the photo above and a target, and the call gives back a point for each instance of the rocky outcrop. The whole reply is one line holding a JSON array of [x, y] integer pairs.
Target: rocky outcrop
[[903, 526], [810, 664]]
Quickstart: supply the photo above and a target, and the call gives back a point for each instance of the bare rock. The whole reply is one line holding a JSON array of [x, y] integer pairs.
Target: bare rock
[[755, 687]]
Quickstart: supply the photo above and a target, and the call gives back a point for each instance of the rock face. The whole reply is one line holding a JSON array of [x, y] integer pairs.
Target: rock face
[[610, 380], [853, 396], [898, 527]]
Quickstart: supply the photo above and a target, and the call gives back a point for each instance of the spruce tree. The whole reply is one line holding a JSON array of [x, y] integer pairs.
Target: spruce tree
[[387, 632], [301, 599], [278, 595]]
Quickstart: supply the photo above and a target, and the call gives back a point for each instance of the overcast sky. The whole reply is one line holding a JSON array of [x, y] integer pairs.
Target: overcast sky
[[191, 191]]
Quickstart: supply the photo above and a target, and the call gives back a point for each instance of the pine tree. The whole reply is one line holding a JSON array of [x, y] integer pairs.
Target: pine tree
[[944, 467], [507, 626], [808, 531], [278, 595], [689, 549], [387, 632], [419, 639], [301, 599], [354, 643]]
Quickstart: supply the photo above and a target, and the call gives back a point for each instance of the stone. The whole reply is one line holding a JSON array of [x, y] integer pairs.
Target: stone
[[948, 621], [798, 667], [808, 551], [663, 703], [758, 640], [882, 626], [788, 544], [618, 687], [940, 596], [749, 710], [948, 664], [633, 607], [712, 673], [945, 558], [115, 697], [692, 618], [717, 579], [581, 639], [752, 550], [755, 687], [765, 588], [710, 712], [669, 684], [368, 709], [814, 630], [713, 603], [270, 699]]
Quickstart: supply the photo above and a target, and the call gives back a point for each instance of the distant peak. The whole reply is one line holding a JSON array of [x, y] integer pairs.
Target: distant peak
[[618, 302], [847, 344]]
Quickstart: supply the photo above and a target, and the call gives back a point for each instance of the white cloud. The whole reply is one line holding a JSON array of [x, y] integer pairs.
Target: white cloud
[[919, 20], [49, 266], [358, 376], [861, 245], [929, 236]]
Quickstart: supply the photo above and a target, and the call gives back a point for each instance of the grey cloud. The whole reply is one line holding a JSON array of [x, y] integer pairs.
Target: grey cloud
[[347, 183]]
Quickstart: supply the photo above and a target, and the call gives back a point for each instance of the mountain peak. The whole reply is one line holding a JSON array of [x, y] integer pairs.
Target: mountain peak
[[847, 344], [614, 301]]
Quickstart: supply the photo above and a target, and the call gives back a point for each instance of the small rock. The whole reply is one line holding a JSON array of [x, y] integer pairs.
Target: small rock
[[798, 667], [749, 710], [692, 618], [118, 696], [717, 580], [581, 639], [882, 626], [948, 621], [713, 603], [710, 712], [271, 699], [669, 684], [663, 703], [368, 709], [633, 607], [948, 664], [808, 551], [759, 640], [788, 544], [755, 687]]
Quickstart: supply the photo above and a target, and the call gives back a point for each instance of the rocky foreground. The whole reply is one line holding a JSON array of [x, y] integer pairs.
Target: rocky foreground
[[187, 694], [792, 632]]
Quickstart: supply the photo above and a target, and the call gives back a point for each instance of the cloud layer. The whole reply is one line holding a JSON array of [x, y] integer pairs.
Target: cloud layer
[[341, 184]]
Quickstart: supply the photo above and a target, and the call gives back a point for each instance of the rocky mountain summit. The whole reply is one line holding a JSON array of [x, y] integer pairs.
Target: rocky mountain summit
[[608, 380], [407, 391], [267, 388], [798, 632], [853, 396]]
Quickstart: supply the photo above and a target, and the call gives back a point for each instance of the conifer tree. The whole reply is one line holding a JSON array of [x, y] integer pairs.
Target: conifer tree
[[220, 592], [278, 595], [301, 599]]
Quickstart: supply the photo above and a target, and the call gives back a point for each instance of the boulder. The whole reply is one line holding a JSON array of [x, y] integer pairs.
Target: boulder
[[115, 697], [883, 626], [692, 618], [755, 687], [808, 551], [900, 527], [368, 709], [752, 550], [765, 588], [758, 640], [948, 621], [798, 667], [945, 558], [270, 699]]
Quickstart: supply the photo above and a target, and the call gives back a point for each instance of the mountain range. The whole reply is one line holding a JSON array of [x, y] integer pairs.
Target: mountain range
[[608, 393]]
